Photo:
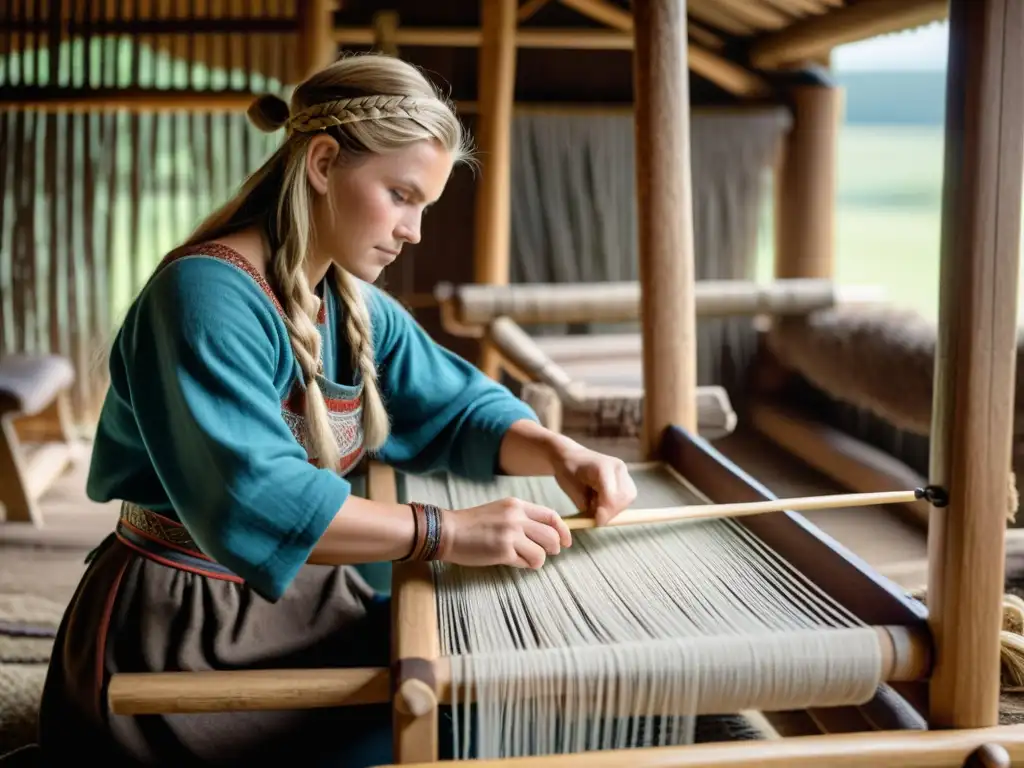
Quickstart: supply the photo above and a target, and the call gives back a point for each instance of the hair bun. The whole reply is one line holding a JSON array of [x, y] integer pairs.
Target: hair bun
[[269, 112]]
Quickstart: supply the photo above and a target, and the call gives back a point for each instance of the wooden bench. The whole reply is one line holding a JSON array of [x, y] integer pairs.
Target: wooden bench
[[37, 442]]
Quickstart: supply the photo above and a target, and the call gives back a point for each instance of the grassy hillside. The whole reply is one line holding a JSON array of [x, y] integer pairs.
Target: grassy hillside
[[894, 98], [889, 211], [889, 203], [889, 187]]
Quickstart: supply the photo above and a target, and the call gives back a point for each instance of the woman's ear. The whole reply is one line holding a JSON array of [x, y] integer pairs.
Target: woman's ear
[[321, 155]]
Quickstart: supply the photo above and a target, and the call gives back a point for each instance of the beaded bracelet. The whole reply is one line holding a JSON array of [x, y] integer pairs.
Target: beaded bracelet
[[427, 532]]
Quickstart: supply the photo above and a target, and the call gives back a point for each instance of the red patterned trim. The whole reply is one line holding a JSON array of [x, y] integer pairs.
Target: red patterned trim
[[233, 257], [347, 462], [178, 565], [230, 255], [296, 402], [127, 523]]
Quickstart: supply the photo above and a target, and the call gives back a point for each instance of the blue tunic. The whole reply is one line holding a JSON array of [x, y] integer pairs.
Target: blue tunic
[[192, 426], [202, 432]]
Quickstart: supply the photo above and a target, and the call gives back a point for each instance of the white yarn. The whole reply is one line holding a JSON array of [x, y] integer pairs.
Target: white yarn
[[632, 626]]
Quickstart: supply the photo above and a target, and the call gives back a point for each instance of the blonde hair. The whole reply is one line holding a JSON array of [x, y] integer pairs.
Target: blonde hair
[[369, 103]]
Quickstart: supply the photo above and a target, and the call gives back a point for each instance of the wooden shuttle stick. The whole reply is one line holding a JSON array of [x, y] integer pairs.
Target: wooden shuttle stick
[[708, 511]]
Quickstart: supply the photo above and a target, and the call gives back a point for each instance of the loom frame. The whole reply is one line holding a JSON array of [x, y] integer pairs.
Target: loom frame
[[841, 574], [559, 398]]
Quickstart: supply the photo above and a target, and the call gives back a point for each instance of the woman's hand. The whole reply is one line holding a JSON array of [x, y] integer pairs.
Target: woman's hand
[[506, 532], [598, 484]]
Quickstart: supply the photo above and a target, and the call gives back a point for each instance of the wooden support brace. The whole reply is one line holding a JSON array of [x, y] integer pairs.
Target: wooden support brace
[[976, 356]]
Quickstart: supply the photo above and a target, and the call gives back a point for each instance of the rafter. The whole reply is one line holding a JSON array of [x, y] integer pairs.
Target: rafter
[[814, 37], [724, 73], [528, 8]]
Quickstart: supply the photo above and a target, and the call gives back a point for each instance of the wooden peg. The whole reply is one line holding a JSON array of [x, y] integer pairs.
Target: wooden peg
[[988, 756]]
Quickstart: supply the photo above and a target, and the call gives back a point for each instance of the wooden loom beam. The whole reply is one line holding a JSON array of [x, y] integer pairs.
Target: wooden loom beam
[[526, 361], [906, 656], [726, 74], [850, 462], [470, 306], [915, 749], [975, 356]]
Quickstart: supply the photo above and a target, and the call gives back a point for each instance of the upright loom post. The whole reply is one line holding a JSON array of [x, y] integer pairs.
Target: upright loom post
[[415, 644], [496, 79], [972, 417], [665, 219]]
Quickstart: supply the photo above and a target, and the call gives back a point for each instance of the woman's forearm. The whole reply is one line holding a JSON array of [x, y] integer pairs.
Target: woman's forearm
[[365, 531], [528, 449]]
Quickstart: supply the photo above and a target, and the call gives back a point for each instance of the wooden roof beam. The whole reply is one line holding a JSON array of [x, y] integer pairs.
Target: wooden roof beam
[[728, 75], [722, 72], [527, 9], [815, 37], [619, 18]]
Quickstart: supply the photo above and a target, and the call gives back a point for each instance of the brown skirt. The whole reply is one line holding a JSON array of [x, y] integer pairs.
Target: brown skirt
[[131, 614]]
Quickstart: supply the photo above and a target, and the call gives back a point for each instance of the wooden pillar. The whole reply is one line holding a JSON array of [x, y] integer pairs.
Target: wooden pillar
[[805, 191], [415, 643], [665, 218], [975, 357], [385, 33], [496, 76], [316, 47]]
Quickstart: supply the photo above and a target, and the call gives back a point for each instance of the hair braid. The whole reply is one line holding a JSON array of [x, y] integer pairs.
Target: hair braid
[[300, 306], [359, 332]]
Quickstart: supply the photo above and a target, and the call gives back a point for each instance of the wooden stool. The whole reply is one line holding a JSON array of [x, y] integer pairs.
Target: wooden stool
[[33, 409]]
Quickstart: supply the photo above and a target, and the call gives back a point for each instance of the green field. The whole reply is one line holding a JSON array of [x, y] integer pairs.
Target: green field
[[889, 212]]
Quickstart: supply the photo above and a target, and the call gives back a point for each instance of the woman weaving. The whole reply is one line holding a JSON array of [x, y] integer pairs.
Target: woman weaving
[[253, 372]]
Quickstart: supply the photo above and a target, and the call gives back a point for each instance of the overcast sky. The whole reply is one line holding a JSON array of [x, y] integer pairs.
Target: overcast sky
[[915, 50]]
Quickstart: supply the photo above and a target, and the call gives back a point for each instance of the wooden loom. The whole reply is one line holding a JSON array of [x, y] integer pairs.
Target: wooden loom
[[945, 662], [577, 382]]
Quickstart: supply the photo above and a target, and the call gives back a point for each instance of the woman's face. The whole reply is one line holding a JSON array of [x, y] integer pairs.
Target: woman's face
[[368, 210]]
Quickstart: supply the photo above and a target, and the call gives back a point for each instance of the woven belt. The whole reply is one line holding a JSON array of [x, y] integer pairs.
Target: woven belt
[[167, 542]]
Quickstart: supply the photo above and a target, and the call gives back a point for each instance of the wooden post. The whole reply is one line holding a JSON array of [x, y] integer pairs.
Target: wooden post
[[385, 32], [805, 187], [975, 356], [496, 76], [665, 219], [415, 644], [316, 47]]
